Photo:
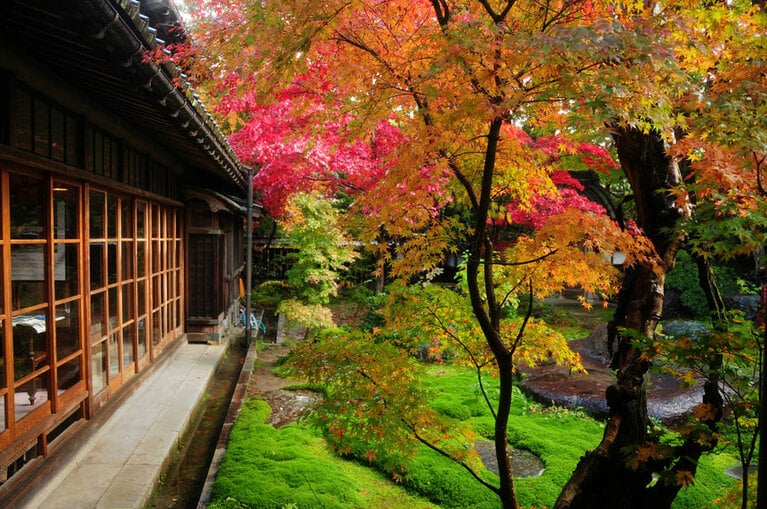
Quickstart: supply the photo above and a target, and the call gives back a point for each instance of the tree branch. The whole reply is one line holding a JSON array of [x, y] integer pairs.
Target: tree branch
[[443, 453], [473, 358], [528, 314]]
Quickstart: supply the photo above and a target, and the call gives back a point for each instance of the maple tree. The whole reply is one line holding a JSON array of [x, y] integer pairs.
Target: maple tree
[[702, 193], [323, 251], [448, 84]]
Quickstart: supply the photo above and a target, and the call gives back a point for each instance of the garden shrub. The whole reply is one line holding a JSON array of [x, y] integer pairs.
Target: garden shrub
[[683, 279], [269, 294]]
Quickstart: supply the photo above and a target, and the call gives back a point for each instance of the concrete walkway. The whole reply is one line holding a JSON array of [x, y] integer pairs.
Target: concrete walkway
[[120, 464]]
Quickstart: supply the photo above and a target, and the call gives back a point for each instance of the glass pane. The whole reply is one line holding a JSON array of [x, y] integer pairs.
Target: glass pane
[[98, 317], [156, 292], [69, 374], [141, 338], [171, 254], [156, 267], [96, 210], [112, 262], [156, 327], [140, 219], [128, 345], [127, 259], [23, 120], [73, 145], [155, 222], [113, 214], [66, 267], [169, 278], [98, 274], [3, 406], [58, 138], [2, 294], [27, 196], [112, 300], [99, 367], [2, 367], [30, 344], [127, 302], [31, 395], [127, 219], [114, 355], [42, 121], [141, 297], [65, 207], [27, 275], [67, 329], [141, 259]]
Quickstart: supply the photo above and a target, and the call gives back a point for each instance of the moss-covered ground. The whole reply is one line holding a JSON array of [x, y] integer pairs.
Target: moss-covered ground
[[292, 467]]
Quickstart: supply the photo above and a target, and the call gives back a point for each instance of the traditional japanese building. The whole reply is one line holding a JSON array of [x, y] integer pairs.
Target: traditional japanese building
[[121, 222]]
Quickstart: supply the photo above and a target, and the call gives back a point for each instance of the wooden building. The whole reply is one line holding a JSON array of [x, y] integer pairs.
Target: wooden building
[[121, 222]]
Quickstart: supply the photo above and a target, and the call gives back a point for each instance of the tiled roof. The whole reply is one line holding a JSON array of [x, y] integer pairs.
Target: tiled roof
[[98, 47]]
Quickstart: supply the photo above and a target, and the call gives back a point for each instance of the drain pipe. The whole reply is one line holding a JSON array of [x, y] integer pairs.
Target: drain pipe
[[249, 258]]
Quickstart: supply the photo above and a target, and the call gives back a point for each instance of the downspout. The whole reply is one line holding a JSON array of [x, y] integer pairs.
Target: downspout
[[249, 258]]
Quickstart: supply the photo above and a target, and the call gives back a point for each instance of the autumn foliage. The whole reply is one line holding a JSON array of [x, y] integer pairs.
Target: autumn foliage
[[456, 128]]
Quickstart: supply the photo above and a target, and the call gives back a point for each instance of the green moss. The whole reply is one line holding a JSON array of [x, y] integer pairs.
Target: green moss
[[265, 467], [442, 481], [711, 483], [292, 467]]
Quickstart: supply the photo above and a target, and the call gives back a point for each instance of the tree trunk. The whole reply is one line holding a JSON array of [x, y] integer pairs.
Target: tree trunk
[[603, 478], [688, 453], [488, 313]]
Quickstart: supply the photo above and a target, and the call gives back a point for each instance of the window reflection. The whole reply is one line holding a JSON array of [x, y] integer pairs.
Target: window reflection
[[141, 338], [96, 209], [114, 355], [66, 270], [142, 297], [98, 317], [127, 219], [65, 211], [127, 259], [99, 367], [2, 358], [27, 275], [67, 329], [141, 259], [69, 374], [113, 214], [127, 302], [128, 357], [98, 274], [140, 219], [112, 305], [27, 200], [31, 395], [112, 262], [30, 360], [30, 344]]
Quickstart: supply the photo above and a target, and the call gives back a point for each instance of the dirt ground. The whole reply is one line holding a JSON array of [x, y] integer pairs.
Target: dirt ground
[[287, 405]]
